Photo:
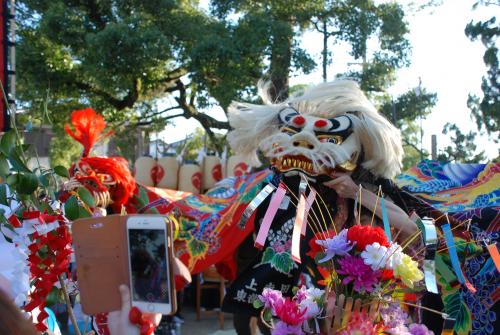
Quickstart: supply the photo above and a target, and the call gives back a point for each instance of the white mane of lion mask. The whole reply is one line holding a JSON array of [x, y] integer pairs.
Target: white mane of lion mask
[[330, 126]]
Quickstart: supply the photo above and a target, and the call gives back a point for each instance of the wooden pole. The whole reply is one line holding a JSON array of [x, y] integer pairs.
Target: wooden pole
[[434, 147], [68, 305]]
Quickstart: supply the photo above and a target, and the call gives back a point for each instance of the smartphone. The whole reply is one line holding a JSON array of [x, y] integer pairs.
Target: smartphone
[[148, 250]]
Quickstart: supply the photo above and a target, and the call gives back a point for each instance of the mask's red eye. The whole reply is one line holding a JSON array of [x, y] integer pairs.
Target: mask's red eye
[[299, 121], [320, 123]]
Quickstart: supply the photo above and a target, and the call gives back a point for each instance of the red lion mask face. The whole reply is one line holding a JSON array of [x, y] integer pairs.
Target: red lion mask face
[[108, 179]]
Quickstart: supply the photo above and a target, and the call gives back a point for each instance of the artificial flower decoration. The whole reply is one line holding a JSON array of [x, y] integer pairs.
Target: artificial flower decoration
[[290, 312], [315, 247], [357, 272], [271, 298], [282, 328], [335, 246], [365, 235], [395, 253], [375, 255], [360, 324], [408, 271]]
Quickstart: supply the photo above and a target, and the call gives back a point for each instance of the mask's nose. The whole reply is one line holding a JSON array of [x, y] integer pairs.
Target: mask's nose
[[304, 144]]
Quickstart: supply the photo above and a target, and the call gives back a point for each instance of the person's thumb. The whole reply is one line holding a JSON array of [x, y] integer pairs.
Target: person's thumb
[[125, 295]]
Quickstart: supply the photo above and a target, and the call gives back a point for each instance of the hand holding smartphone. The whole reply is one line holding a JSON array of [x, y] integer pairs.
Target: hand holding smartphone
[[149, 264], [134, 250]]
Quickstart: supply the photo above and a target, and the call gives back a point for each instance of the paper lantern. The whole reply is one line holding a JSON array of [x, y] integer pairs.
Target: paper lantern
[[170, 176], [236, 166], [144, 172], [190, 178], [212, 171]]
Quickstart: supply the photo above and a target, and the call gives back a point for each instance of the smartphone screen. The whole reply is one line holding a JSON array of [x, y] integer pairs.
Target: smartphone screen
[[149, 265]]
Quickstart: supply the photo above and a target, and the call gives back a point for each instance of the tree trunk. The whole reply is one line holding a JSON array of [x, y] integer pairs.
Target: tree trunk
[[325, 49], [281, 59]]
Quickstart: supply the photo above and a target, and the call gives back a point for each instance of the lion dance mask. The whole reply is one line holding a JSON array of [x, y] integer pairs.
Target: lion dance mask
[[330, 127], [107, 178]]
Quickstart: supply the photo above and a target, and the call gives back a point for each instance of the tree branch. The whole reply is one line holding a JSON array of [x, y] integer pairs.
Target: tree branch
[[147, 123], [405, 142], [119, 104], [190, 111], [95, 14], [175, 74]]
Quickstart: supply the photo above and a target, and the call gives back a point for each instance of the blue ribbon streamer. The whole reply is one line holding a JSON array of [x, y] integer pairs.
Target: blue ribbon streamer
[[385, 220], [452, 250]]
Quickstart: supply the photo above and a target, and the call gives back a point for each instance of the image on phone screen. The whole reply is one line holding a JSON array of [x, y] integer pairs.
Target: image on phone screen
[[148, 265]]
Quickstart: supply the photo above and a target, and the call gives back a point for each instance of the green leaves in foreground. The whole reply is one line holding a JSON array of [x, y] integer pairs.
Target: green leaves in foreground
[[73, 210], [61, 171], [86, 196], [27, 183]]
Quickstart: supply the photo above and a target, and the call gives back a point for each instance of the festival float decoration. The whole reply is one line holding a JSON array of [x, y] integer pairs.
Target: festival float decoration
[[367, 278]]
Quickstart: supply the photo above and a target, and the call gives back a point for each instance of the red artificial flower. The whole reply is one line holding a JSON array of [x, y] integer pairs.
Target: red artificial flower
[[314, 248], [387, 274], [289, 312], [327, 276], [366, 235]]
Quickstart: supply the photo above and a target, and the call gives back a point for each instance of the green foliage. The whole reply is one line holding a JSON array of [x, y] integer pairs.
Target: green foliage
[[361, 23], [124, 57], [35, 188], [405, 112], [486, 110], [463, 149]]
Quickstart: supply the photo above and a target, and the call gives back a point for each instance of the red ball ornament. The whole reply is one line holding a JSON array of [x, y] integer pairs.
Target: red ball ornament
[[135, 315], [147, 329], [299, 120], [320, 123]]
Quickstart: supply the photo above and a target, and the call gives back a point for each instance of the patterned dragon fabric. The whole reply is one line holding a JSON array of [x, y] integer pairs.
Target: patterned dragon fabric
[[470, 194], [208, 232]]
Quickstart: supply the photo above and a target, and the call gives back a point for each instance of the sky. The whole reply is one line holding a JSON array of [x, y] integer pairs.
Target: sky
[[445, 60]]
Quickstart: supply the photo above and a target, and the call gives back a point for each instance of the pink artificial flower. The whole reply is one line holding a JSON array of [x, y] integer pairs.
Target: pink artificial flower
[[301, 294], [356, 271], [290, 312], [271, 299], [360, 324]]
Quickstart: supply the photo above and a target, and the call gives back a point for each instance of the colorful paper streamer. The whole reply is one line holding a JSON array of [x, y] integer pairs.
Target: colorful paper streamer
[[269, 216], [455, 263], [252, 206]]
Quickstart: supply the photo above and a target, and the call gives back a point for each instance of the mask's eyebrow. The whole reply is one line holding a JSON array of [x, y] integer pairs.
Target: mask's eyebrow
[[339, 123], [287, 113]]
